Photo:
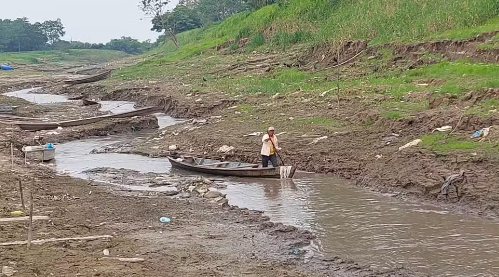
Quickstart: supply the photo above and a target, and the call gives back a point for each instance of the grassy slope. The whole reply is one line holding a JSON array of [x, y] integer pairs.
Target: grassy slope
[[55, 56], [311, 22]]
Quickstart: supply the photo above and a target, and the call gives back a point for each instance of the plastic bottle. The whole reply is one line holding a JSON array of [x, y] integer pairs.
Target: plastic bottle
[[165, 219]]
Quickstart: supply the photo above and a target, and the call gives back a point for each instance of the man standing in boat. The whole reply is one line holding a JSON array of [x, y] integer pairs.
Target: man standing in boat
[[269, 147]]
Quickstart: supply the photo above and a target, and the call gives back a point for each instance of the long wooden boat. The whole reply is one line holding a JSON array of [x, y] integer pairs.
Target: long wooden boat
[[90, 79], [87, 102], [38, 126], [225, 168]]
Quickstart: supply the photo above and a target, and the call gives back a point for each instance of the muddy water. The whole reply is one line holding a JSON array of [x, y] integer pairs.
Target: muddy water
[[27, 95], [377, 229], [350, 222]]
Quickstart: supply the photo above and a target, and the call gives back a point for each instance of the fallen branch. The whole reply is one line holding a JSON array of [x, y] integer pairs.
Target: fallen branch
[[22, 219], [130, 260], [42, 241], [349, 60]]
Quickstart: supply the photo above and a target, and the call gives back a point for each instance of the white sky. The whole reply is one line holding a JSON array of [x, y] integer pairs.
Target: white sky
[[86, 20]]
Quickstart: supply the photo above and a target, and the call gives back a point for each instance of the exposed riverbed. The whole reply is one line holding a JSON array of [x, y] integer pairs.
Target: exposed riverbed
[[350, 222]]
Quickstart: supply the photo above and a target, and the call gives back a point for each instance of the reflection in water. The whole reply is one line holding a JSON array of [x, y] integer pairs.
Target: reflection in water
[[375, 229]]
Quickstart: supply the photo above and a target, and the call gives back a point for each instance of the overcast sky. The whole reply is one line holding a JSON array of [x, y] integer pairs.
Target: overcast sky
[[86, 20]]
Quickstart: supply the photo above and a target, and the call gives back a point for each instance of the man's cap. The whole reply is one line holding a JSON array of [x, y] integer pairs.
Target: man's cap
[[271, 128]]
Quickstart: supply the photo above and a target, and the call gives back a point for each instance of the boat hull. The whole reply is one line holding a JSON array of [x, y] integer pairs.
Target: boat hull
[[270, 172], [39, 153]]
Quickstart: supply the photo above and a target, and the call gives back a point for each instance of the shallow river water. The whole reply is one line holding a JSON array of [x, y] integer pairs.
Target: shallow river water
[[349, 221]]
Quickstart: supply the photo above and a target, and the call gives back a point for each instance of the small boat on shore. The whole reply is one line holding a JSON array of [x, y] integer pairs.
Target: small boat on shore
[[38, 126], [225, 168], [7, 109], [40, 153], [90, 79], [87, 102]]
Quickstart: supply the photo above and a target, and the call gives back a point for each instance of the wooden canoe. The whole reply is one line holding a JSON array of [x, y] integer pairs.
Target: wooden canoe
[[216, 167], [87, 102], [38, 126], [90, 79]]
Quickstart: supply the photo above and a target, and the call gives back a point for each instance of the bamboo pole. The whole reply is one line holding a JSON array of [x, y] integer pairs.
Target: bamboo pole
[[21, 194], [30, 227]]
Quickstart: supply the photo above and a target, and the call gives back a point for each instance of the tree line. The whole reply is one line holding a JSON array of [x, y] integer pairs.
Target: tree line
[[21, 35], [192, 14]]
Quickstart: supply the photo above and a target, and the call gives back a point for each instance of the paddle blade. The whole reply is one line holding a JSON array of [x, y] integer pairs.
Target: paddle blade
[[286, 171]]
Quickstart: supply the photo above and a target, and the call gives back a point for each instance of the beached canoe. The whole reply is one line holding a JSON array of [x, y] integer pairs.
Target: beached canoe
[[90, 79], [38, 126], [224, 168]]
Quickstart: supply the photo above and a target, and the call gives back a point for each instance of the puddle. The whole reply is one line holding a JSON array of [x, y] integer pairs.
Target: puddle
[[37, 98]]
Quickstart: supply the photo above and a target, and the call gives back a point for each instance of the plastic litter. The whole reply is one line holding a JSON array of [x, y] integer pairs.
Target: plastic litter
[[225, 149], [295, 251], [318, 139], [17, 213], [410, 144], [443, 129], [6, 67], [7, 271], [165, 219], [105, 252], [481, 133], [49, 146]]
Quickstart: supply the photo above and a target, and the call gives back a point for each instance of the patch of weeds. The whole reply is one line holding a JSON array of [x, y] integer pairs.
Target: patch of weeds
[[485, 107], [245, 108], [319, 121], [393, 115], [444, 143], [256, 41]]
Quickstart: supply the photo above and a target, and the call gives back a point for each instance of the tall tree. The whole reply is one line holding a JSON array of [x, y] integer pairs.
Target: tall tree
[[53, 30], [156, 9]]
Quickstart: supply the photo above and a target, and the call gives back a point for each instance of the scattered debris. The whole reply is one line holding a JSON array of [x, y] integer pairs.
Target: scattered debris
[[253, 134], [105, 252], [318, 139], [443, 129], [42, 241], [379, 157], [17, 213], [25, 218], [130, 260], [225, 149], [481, 133], [390, 138], [410, 144], [173, 147], [8, 271], [165, 220], [452, 180]]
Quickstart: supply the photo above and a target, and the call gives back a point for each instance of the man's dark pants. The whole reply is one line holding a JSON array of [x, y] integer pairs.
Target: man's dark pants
[[272, 158]]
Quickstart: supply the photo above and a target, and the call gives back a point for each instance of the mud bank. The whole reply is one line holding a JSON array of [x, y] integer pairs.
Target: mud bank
[[202, 236]]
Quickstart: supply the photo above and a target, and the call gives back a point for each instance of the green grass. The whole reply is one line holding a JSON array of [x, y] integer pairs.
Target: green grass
[[326, 122], [55, 56], [316, 21], [471, 31], [485, 107], [442, 143]]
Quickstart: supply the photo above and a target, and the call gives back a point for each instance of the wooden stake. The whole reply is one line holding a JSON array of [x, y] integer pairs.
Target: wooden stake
[[30, 228], [22, 195]]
